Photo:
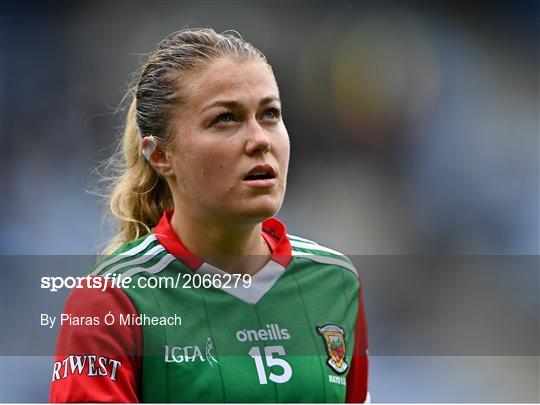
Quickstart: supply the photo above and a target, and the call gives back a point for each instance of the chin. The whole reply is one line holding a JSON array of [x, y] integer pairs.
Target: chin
[[259, 210]]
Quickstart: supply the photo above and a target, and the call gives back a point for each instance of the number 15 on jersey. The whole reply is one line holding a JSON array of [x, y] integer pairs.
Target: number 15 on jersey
[[271, 361]]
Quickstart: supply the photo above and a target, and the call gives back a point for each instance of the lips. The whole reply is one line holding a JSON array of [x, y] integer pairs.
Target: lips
[[260, 172], [261, 176]]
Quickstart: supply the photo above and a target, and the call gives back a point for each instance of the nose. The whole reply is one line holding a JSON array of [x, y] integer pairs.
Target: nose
[[258, 140]]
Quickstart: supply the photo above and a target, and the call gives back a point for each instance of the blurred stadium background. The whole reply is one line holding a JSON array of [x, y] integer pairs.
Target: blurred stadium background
[[415, 149]]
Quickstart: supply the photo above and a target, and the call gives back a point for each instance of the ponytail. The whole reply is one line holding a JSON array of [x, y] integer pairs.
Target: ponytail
[[139, 195]]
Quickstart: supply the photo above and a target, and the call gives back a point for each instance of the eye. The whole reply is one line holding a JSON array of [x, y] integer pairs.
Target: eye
[[272, 113], [224, 118]]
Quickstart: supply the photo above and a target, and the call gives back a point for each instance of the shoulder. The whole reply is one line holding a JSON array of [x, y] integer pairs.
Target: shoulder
[[145, 254], [302, 248]]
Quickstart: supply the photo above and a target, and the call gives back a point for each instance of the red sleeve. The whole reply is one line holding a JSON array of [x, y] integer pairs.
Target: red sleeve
[[96, 362], [357, 379]]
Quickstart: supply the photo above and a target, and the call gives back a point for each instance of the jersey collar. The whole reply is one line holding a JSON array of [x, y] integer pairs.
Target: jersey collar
[[273, 231]]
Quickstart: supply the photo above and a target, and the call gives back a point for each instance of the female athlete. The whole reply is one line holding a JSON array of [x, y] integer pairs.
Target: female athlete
[[204, 297]]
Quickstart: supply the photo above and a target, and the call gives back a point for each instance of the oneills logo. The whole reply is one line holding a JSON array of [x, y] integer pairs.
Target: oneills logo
[[334, 343], [271, 331]]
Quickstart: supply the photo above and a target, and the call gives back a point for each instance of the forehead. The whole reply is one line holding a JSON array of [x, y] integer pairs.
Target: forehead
[[229, 79]]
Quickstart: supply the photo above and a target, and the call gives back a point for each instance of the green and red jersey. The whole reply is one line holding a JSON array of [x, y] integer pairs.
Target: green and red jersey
[[296, 333]]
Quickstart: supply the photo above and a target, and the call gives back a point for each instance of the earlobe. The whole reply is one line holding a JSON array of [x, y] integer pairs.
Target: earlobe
[[161, 163]]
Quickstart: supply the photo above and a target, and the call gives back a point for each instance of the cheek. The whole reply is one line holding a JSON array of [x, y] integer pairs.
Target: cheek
[[202, 169], [211, 164]]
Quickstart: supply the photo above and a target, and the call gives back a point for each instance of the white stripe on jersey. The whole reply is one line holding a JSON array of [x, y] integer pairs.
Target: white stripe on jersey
[[133, 251], [299, 239], [156, 268], [147, 256], [316, 247], [326, 260]]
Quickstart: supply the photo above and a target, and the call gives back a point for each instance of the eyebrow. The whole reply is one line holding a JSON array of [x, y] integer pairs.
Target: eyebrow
[[234, 103]]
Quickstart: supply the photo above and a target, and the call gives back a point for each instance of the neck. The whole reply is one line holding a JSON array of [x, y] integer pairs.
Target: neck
[[234, 249]]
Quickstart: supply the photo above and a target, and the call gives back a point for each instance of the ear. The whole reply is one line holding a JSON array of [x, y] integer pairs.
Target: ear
[[154, 152]]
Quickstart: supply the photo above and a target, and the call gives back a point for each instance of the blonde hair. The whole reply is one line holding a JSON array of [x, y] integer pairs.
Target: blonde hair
[[137, 195]]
